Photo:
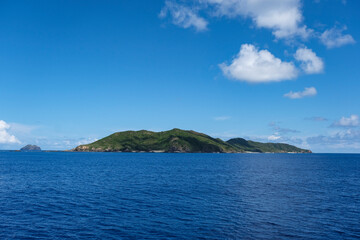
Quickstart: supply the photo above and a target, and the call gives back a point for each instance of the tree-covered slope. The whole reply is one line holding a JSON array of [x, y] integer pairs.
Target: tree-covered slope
[[251, 146], [175, 140]]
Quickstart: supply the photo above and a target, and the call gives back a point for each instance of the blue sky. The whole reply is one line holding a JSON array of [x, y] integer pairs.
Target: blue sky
[[279, 71]]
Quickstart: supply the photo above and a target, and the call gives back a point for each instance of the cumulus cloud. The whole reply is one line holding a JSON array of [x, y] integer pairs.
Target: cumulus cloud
[[310, 63], [308, 92], [334, 37], [284, 18], [352, 121], [5, 136], [183, 16], [257, 66]]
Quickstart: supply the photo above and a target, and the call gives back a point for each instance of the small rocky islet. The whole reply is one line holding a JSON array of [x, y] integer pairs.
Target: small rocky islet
[[30, 148]]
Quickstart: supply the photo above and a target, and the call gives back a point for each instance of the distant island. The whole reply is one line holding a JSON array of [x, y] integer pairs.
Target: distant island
[[181, 141], [30, 148]]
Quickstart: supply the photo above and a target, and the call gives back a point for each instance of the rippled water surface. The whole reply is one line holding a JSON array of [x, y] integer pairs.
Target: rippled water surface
[[179, 196]]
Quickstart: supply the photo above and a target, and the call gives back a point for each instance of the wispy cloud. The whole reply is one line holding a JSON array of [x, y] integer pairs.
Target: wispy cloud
[[342, 1], [280, 134], [293, 140], [334, 37], [352, 121], [183, 16], [278, 129], [222, 118], [307, 92], [225, 135], [22, 129], [342, 141], [317, 119], [258, 66], [345, 140], [61, 143]]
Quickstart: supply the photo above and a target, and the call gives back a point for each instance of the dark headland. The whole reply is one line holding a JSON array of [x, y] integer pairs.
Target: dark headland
[[183, 141]]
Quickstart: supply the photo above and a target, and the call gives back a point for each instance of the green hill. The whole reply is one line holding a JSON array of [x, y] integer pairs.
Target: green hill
[[251, 146], [177, 140]]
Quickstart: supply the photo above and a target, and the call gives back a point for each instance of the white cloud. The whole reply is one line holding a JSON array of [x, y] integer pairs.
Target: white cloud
[[6, 137], [222, 118], [273, 137], [310, 63], [352, 121], [256, 66], [283, 17], [183, 16], [334, 37], [308, 92]]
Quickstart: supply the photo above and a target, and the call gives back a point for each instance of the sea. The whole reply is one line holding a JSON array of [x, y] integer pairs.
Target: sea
[[64, 195]]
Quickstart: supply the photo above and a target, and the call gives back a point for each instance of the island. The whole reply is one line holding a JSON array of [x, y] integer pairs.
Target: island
[[181, 141], [30, 148]]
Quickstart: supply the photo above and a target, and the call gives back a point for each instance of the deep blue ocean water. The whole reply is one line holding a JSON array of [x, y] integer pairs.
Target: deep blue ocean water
[[179, 196]]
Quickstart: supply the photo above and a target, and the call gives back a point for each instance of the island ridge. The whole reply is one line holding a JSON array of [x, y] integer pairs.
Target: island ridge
[[184, 141]]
